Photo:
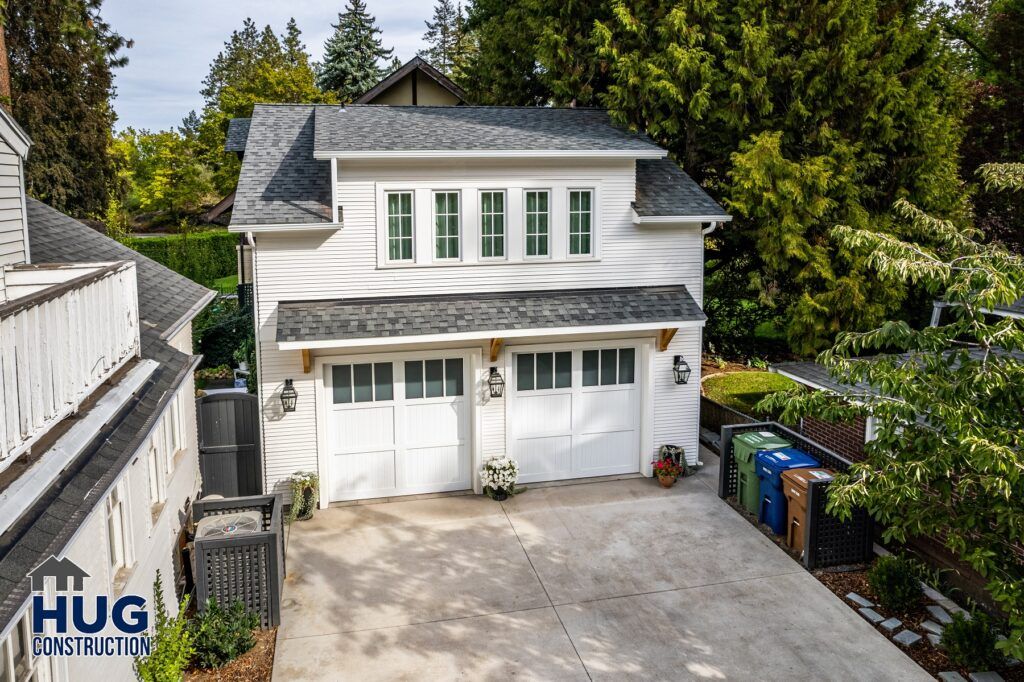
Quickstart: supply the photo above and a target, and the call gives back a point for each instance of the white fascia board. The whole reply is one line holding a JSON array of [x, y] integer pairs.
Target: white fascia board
[[14, 135], [26, 489], [661, 219], [1003, 313], [487, 334], [286, 227], [496, 154]]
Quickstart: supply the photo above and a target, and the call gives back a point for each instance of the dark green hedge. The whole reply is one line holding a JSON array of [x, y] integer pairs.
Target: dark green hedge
[[200, 256]]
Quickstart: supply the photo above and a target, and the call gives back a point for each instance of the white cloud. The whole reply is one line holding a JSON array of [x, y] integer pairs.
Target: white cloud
[[175, 40]]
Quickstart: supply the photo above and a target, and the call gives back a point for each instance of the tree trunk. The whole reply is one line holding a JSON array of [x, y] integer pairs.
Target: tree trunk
[[5, 72]]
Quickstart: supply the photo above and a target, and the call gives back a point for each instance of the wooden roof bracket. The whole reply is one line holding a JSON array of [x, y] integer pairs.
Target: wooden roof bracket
[[307, 361], [496, 345], [665, 338]]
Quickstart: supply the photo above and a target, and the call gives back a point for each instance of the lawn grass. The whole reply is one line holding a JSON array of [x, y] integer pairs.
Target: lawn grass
[[742, 390], [229, 283]]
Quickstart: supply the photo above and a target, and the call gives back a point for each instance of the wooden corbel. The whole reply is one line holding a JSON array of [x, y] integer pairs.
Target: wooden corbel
[[496, 348], [307, 362], [665, 338]]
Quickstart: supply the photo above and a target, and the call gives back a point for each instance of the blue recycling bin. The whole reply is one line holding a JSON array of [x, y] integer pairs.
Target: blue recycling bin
[[770, 465]]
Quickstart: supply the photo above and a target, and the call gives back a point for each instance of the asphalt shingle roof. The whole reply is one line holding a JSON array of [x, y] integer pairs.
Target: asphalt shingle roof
[[238, 133], [372, 128], [664, 189], [280, 182], [448, 314], [166, 299], [1016, 308]]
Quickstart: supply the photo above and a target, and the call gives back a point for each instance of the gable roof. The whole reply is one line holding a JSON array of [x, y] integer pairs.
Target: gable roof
[[238, 133], [280, 181], [370, 130], [13, 134], [167, 300], [664, 190], [414, 64]]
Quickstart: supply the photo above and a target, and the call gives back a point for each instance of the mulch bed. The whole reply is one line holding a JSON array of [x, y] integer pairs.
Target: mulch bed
[[255, 665], [842, 580]]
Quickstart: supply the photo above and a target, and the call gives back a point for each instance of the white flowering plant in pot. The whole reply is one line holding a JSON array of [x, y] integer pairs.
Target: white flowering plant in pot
[[499, 476]]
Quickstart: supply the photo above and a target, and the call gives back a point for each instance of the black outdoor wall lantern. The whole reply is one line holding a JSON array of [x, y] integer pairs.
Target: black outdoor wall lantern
[[495, 383], [288, 396], [680, 369]]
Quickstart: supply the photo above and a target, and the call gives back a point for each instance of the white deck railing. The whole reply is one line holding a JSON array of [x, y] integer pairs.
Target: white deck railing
[[64, 330]]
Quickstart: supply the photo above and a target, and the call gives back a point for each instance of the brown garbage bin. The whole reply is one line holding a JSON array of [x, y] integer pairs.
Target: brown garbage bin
[[794, 484]]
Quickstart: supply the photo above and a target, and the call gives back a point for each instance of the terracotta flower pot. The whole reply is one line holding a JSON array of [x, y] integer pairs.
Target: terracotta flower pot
[[667, 481]]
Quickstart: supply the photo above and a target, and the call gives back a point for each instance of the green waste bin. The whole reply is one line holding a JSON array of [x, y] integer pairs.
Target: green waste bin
[[745, 447]]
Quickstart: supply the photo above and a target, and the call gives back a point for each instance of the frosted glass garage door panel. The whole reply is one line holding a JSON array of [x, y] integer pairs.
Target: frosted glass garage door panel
[[543, 459], [606, 410], [542, 415], [431, 424], [605, 454], [434, 469], [369, 428], [363, 474]]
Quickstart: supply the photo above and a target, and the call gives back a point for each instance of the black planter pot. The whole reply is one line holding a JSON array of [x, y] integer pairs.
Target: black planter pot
[[500, 495]]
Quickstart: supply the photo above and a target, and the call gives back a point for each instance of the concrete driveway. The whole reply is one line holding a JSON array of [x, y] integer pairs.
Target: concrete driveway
[[612, 580]]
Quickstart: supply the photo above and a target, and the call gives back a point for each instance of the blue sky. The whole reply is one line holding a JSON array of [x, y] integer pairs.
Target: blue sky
[[176, 39]]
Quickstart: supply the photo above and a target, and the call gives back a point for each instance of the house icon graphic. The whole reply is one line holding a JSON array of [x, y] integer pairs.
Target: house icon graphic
[[63, 571]]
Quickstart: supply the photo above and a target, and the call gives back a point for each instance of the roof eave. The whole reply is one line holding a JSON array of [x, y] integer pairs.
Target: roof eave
[[487, 334], [14, 134], [653, 153], [666, 219], [287, 227]]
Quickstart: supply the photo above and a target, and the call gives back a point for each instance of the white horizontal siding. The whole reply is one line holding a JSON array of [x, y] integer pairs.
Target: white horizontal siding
[[13, 249], [343, 264], [677, 407]]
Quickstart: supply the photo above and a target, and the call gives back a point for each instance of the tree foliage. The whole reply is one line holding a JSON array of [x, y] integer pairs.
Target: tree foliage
[[172, 642], [795, 118], [989, 35], [353, 55], [948, 457], [61, 55], [447, 41], [160, 171]]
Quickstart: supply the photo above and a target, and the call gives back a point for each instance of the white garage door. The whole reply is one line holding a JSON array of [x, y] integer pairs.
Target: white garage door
[[575, 413], [397, 425]]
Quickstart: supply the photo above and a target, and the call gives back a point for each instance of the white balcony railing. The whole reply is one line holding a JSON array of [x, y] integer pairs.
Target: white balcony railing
[[64, 330]]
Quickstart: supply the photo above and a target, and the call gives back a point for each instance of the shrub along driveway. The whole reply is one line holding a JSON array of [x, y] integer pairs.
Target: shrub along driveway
[[609, 580]]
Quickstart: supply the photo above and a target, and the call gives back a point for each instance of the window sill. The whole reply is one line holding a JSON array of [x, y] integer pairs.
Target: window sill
[[154, 513], [121, 577]]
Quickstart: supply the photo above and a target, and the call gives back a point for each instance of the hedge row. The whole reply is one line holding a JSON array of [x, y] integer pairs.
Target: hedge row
[[200, 256]]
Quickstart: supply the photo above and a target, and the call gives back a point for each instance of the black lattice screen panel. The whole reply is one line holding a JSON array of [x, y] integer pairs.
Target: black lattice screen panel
[[249, 567]]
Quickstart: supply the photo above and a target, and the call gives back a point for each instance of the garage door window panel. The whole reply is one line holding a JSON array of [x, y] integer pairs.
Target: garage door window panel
[[434, 378], [609, 367], [362, 383], [543, 371]]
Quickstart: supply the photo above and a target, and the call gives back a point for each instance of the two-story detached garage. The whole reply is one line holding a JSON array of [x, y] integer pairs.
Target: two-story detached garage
[[408, 258]]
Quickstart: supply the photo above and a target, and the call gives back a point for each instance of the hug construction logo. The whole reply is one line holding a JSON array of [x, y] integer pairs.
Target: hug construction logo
[[76, 625]]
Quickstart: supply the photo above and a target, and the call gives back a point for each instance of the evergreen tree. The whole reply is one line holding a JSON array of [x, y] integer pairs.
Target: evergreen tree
[[353, 54], [61, 55], [444, 37], [503, 66]]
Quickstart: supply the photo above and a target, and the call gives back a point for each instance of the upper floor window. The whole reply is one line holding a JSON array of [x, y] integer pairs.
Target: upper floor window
[[399, 206], [446, 225], [537, 222], [119, 547], [580, 222], [492, 224]]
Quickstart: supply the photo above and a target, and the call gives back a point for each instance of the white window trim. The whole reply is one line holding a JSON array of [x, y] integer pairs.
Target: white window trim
[[592, 253], [548, 256], [480, 223], [125, 549], [433, 225], [157, 476], [412, 216]]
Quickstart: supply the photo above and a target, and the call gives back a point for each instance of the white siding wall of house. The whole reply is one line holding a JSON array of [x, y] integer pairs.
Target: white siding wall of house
[[13, 240], [344, 264], [154, 527]]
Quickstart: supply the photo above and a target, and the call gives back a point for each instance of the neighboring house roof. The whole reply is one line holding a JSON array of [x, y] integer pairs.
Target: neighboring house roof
[[1013, 310], [48, 526], [663, 189], [414, 64], [367, 129], [280, 182], [167, 300], [238, 133], [460, 313]]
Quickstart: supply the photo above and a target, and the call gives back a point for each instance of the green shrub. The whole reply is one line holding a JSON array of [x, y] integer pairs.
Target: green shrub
[[201, 256], [171, 644], [220, 330], [971, 643], [894, 580], [222, 635]]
